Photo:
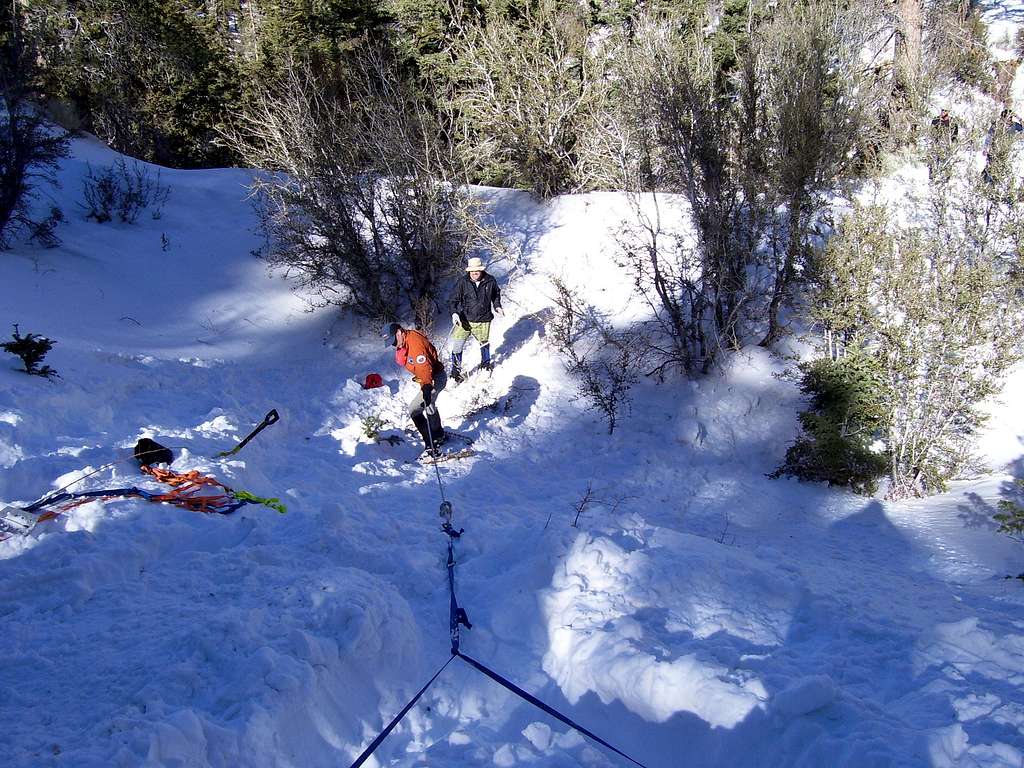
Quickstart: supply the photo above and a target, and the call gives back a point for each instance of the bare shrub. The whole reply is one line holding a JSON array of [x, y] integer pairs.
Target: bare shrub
[[123, 190], [595, 497], [670, 278], [816, 106], [686, 139], [362, 200], [606, 361], [527, 93], [753, 149], [44, 231]]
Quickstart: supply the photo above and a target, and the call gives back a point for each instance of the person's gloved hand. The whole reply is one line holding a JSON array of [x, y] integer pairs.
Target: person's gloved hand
[[499, 311], [455, 319], [428, 399]]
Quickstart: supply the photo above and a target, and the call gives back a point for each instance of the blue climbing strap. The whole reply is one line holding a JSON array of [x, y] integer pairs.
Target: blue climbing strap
[[541, 705], [398, 718]]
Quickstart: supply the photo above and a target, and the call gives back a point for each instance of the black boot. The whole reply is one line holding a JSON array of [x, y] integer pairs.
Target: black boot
[[456, 372], [421, 426]]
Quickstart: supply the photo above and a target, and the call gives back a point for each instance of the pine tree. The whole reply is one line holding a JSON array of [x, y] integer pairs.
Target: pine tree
[[151, 77], [935, 309], [1011, 514], [31, 348], [29, 148], [842, 425]]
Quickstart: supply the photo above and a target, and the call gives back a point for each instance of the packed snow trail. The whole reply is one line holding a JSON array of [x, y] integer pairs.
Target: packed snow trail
[[700, 614]]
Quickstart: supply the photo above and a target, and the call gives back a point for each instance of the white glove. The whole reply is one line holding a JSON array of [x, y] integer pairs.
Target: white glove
[[455, 319]]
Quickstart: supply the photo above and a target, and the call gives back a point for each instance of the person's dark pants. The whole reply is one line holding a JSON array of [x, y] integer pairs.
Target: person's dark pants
[[425, 415]]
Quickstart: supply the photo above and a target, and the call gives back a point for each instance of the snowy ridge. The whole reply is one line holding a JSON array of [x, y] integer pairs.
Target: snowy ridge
[[703, 616]]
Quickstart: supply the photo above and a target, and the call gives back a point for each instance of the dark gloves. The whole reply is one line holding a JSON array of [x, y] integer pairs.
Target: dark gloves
[[428, 399]]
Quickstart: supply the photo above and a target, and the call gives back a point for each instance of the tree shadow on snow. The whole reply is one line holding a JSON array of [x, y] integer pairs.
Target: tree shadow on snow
[[842, 676], [511, 409], [832, 682], [979, 513], [525, 328], [525, 221]]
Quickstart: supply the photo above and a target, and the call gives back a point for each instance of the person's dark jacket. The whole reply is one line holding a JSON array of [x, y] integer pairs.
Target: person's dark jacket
[[473, 301]]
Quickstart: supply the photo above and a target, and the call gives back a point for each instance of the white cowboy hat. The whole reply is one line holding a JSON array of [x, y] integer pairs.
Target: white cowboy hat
[[475, 264]]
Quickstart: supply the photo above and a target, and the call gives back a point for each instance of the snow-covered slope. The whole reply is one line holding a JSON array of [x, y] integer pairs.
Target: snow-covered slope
[[699, 615]]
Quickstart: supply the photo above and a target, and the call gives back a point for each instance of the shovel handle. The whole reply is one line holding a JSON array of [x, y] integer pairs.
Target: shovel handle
[[271, 418]]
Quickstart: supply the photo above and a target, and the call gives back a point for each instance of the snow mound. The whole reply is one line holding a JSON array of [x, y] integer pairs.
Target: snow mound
[[620, 621]]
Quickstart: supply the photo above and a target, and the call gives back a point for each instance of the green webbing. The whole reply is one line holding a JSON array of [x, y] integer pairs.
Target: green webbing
[[273, 503]]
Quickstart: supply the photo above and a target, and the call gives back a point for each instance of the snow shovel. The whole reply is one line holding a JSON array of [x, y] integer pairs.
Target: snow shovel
[[270, 418]]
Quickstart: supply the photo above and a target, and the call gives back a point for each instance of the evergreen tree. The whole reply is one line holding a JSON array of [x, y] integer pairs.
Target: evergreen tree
[[1011, 514], [842, 424], [934, 311], [151, 77], [31, 348], [29, 149]]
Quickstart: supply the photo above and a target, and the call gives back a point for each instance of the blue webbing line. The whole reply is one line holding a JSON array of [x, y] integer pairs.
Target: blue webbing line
[[48, 500], [453, 605], [148, 495], [541, 705], [384, 734], [456, 614]]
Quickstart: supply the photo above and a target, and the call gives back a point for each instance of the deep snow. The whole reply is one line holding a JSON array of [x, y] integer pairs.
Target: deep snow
[[700, 615]]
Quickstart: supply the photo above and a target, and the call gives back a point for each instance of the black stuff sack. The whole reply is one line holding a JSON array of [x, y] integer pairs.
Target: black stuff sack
[[151, 452]]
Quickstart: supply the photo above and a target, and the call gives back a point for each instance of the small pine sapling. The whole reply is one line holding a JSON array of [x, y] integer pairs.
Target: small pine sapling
[[1011, 515], [372, 425], [31, 348]]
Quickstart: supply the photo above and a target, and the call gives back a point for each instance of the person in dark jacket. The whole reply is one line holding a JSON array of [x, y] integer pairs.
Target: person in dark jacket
[[475, 300]]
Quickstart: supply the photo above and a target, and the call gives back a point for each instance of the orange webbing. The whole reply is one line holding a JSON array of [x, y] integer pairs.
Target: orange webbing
[[187, 493], [187, 489]]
